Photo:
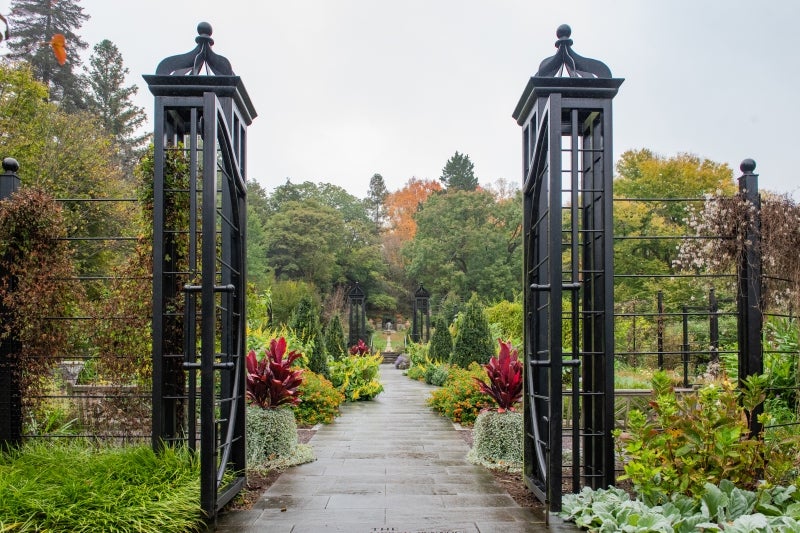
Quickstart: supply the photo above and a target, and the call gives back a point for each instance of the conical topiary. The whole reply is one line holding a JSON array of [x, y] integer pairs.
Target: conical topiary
[[441, 341], [474, 339], [334, 338], [306, 325]]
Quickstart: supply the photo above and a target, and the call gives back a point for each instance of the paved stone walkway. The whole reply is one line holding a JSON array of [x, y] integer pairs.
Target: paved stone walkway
[[389, 465]]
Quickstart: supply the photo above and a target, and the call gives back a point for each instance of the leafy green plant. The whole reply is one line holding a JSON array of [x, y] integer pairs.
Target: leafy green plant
[[689, 440], [460, 399], [417, 352], [356, 376], [74, 486], [473, 342], [272, 381], [723, 507], [497, 441], [505, 378], [320, 400], [417, 372], [436, 373]]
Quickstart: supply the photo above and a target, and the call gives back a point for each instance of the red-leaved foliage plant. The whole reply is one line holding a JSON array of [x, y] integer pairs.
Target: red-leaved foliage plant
[[505, 378], [359, 349], [272, 382]]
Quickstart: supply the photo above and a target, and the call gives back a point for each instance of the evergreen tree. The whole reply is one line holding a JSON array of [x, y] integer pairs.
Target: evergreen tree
[[34, 24], [376, 199], [305, 323], [441, 342], [110, 100], [334, 338], [474, 339], [459, 174]]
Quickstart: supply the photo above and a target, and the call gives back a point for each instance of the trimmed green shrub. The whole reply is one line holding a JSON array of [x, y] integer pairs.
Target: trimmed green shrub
[[505, 321], [271, 433], [356, 376], [441, 346], [474, 340], [334, 338], [305, 323], [460, 399], [497, 441], [320, 400]]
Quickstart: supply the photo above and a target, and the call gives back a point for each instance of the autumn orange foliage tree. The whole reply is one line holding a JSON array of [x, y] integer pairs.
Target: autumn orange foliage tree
[[404, 203], [401, 206]]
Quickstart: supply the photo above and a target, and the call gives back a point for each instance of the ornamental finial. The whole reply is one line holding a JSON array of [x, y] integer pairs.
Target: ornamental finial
[[567, 60], [191, 63]]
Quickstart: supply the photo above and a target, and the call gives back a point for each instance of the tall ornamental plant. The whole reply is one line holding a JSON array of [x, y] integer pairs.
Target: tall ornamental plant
[[272, 387], [497, 436]]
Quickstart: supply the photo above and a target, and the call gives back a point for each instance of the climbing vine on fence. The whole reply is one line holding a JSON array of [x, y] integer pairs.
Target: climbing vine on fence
[[37, 282]]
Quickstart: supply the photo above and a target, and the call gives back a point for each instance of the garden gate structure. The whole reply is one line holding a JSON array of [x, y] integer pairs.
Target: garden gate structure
[[421, 320], [565, 115], [199, 279], [357, 317]]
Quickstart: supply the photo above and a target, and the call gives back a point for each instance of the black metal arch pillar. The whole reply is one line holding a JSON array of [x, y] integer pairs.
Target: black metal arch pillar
[[199, 272], [421, 321], [565, 115], [356, 297]]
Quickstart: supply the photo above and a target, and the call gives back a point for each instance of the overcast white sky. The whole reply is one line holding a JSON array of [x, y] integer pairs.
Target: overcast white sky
[[348, 88]]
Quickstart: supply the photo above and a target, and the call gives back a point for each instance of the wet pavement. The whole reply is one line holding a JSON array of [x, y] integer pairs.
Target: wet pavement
[[389, 465]]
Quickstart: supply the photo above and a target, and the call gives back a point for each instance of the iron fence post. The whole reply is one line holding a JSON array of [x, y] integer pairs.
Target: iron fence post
[[749, 298], [10, 392]]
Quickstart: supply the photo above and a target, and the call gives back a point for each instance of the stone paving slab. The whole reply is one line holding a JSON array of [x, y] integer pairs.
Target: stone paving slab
[[391, 465]]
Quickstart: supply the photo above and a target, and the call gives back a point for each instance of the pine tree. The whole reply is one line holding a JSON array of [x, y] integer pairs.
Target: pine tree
[[459, 174], [376, 199], [474, 339], [34, 22], [334, 338], [305, 323], [441, 341], [110, 100]]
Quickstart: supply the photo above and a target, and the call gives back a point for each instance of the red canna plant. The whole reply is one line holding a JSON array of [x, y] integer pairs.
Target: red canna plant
[[272, 382], [359, 349], [505, 377]]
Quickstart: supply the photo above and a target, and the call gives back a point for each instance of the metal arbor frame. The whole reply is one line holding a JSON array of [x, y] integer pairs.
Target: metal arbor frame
[[568, 273], [199, 264], [357, 324], [421, 323]]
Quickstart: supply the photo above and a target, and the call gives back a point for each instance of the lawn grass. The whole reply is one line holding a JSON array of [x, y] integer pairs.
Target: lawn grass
[[76, 486]]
